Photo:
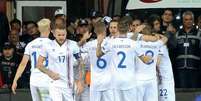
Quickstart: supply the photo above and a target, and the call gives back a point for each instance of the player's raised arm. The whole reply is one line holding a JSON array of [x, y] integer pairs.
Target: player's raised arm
[[19, 72], [99, 51], [100, 30]]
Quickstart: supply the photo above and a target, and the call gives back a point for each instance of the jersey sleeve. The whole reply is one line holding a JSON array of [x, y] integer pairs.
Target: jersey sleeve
[[85, 48], [27, 50], [138, 50], [105, 46], [76, 51], [161, 50], [160, 43]]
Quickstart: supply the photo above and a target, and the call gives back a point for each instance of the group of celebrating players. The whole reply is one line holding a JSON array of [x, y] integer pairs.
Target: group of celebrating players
[[123, 66]]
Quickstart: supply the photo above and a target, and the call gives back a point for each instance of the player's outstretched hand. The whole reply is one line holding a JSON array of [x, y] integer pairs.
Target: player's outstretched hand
[[80, 87], [54, 76], [14, 86]]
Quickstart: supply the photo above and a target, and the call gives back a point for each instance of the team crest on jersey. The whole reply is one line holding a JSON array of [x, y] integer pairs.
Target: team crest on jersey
[[53, 50]]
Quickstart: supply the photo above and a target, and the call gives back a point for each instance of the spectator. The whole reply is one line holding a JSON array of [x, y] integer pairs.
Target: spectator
[[15, 24], [13, 38], [116, 17], [8, 64], [59, 14], [136, 22], [187, 52], [113, 28], [167, 18], [82, 28], [199, 23], [155, 22], [32, 32], [4, 30]]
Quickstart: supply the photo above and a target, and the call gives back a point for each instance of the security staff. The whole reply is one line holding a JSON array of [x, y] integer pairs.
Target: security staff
[[187, 52]]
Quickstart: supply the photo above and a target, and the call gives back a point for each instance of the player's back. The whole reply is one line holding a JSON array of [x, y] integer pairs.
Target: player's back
[[122, 63], [100, 70], [33, 49], [147, 71]]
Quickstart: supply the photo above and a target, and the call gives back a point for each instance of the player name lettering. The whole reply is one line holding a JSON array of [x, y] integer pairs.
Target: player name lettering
[[121, 46], [148, 46]]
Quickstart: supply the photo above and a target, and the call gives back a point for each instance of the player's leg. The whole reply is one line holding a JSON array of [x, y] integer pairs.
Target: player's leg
[[167, 91], [140, 89], [95, 95], [151, 91], [44, 94], [125, 95], [85, 94], [67, 94], [107, 95], [34, 93], [129, 95], [55, 93]]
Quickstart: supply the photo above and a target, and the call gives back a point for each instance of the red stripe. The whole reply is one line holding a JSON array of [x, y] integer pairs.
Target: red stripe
[[68, 64]]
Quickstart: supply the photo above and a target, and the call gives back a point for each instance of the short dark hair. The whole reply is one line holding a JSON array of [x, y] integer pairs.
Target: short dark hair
[[152, 18], [15, 21], [32, 22], [123, 25], [168, 9]]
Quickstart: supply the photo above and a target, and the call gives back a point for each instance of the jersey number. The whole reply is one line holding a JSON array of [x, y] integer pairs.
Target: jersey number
[[151, 54], [34, 54], [62, 59], [101, 63], [163, 92], [123, 55]]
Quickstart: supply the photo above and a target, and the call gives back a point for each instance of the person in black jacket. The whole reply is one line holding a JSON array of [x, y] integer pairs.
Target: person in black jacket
[[8, 64], [187, 62], [4, 30]]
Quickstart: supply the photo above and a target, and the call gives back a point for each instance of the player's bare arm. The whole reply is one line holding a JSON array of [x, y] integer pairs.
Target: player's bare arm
[[19, 72], [51, 74], [99, 52], [79, 82]]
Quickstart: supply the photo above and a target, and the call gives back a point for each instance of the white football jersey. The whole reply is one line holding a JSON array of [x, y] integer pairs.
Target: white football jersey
[[147, 71], [33, 49], [165, 66], [122, 63], [60, 58], [100, 69]]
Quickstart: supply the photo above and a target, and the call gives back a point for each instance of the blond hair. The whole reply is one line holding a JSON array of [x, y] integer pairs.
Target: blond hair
[[99, 27], [44, 25]]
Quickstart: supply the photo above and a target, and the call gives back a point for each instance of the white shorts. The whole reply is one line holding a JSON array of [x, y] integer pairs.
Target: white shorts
[[125, 95], [167, 91], [147, 90], [39, 93], [106, 95], [84, 95], [60, 94]]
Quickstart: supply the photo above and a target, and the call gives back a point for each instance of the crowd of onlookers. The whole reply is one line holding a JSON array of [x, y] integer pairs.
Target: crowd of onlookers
[[184, 42]]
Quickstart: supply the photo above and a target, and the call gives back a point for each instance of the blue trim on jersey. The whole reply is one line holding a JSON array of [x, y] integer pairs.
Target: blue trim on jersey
[[77, 55]]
